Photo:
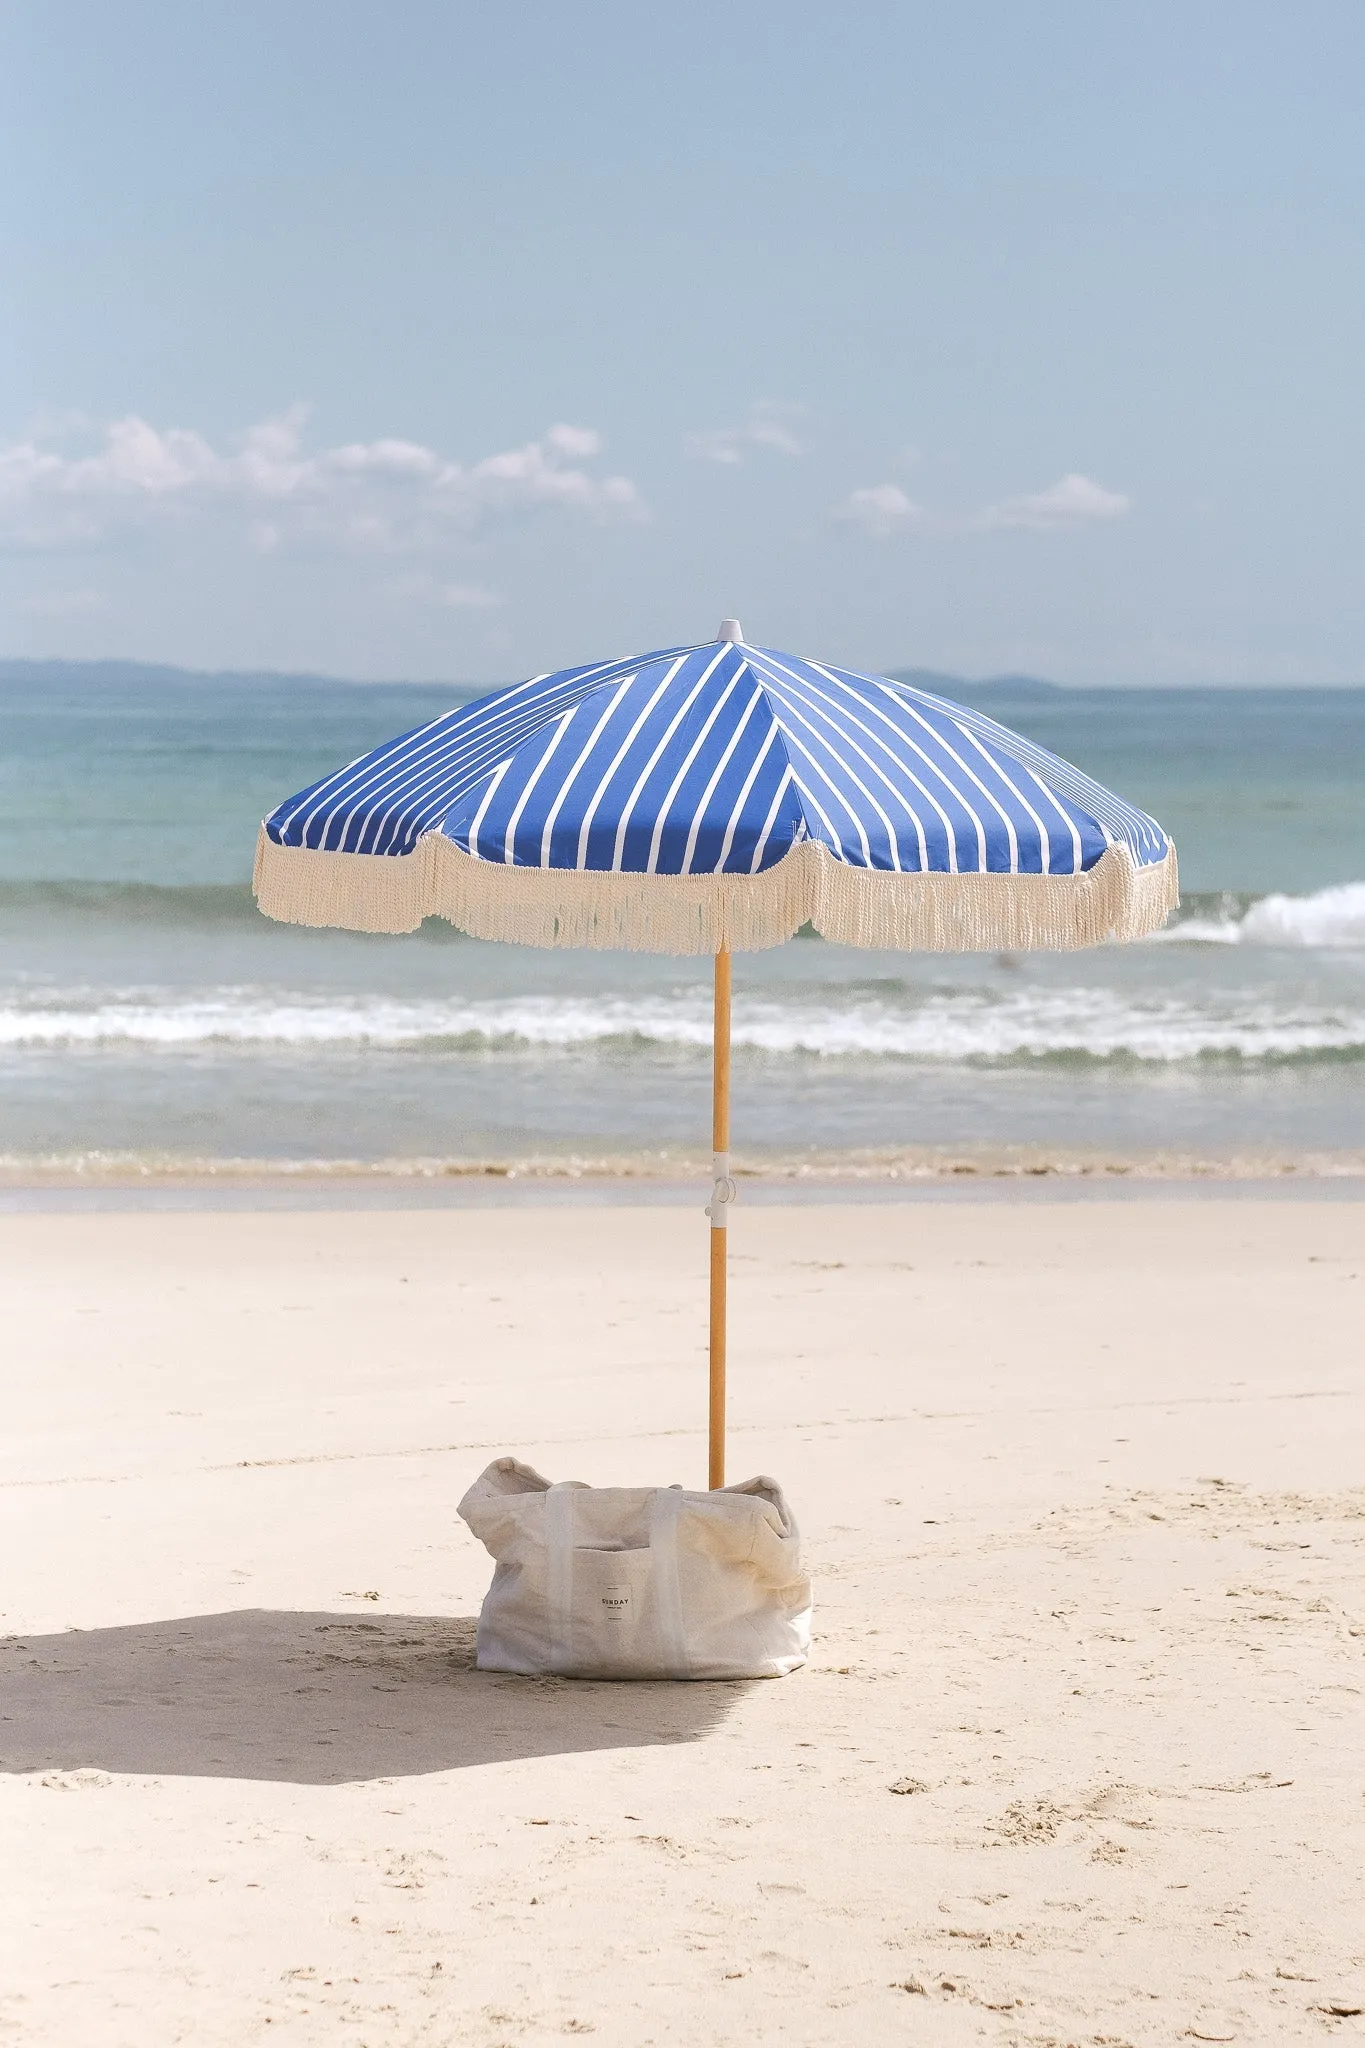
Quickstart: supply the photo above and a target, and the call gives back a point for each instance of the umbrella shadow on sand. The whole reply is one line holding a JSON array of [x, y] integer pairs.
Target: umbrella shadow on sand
[[311, 1699]]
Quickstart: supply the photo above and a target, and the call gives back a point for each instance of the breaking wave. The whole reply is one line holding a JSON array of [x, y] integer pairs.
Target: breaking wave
[[970, 1027], [1328, 918]]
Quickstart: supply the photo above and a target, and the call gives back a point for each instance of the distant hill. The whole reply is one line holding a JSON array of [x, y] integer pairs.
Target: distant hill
[[993, 692], [149, 674], [143, 674]]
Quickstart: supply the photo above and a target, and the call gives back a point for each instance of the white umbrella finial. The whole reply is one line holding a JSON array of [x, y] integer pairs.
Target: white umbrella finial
[[730, 629]]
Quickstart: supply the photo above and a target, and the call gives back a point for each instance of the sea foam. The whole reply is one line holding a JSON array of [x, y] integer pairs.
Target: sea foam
[[1330, 918], [971, 1027]]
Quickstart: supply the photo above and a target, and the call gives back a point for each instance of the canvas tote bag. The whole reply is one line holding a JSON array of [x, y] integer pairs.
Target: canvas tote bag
[[638, 1582]]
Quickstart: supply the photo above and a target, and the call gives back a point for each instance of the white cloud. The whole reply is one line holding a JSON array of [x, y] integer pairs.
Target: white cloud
[[387, 495], [879, 509], [768, 427], [578, 443], [1072, 501]]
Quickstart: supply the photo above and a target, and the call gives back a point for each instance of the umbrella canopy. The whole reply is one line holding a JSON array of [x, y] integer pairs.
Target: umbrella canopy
[[702, 799]]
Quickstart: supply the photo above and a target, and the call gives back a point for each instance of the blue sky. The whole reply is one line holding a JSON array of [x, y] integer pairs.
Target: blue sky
[[462, 341]]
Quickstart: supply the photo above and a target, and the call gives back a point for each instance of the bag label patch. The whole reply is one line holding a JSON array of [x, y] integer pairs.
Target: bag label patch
[[616, 1602]]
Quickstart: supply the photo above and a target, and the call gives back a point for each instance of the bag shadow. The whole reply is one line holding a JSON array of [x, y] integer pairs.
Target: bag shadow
[[312, 1699]]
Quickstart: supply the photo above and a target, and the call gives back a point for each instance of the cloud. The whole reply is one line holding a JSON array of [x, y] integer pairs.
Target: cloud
[[879, 509], [768, 427], [1072, 501], [388, 495], [576, 442]]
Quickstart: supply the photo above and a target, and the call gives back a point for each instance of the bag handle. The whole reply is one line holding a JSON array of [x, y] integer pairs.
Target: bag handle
[[559, 1535], [664, 1508]]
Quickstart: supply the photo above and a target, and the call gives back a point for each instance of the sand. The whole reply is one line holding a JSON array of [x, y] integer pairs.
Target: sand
[[1079, 1756]]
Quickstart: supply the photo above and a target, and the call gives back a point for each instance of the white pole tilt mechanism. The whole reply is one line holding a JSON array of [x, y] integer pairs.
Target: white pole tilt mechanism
[[723, 1190]]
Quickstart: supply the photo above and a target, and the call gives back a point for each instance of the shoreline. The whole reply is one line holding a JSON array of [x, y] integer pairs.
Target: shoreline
[[889, 1165], [104, 1181]]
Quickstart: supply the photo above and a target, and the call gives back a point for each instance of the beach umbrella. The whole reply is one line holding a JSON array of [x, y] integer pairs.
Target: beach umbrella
[[713, 799]]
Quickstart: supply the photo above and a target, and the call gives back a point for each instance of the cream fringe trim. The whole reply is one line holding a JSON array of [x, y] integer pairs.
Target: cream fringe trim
[[702, 913]]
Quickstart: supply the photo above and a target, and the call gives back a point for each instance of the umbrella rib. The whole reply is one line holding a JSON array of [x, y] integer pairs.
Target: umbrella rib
[[477, 746], [552, 816], [509, 837], [494, 785], [796, 715], [972, 813], [808, 796], [788, 781], [661, 815], [1045, 837], [882, 776], [756, 696], [1118, 818], [627, 743], [420, 758], [441, 749], [623, 823], [907, 740], [949, 829], [1011, 754], [742, 799]]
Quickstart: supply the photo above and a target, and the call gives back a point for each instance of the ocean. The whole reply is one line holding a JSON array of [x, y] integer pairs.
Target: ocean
[[152, 1022]]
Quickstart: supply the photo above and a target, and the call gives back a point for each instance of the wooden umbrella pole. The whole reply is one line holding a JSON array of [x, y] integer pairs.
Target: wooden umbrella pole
[[722, 1195]]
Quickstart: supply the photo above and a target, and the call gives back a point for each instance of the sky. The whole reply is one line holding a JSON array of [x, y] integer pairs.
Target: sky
[[460, 342]]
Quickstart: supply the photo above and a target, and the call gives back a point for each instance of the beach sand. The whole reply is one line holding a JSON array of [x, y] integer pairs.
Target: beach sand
[[1079, 1755]]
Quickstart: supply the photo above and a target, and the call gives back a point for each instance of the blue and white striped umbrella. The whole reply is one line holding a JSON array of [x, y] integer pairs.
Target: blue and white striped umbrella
[[700, 799], [703, 799]]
